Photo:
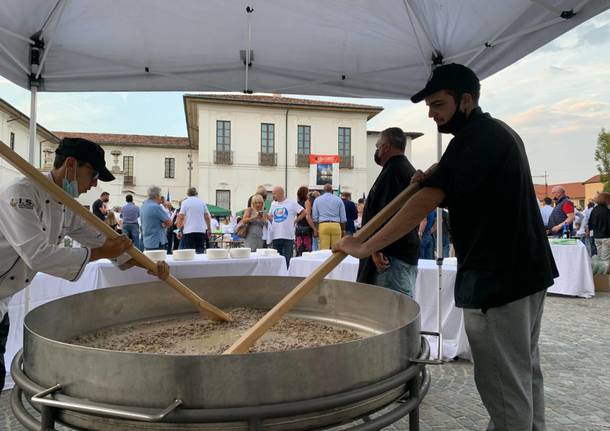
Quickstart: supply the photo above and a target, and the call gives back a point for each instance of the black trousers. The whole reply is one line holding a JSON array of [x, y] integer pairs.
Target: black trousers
[[4, 326], [194, 240]]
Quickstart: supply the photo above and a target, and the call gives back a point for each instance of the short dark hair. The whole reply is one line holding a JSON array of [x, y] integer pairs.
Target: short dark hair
[[548, 201], [60, 159], [192, 191], [105, 194], [361, 200], [302, 193], [396, 137], [129, 198]]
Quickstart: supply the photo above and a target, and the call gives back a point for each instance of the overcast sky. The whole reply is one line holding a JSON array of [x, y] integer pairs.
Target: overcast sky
[[557, 99]]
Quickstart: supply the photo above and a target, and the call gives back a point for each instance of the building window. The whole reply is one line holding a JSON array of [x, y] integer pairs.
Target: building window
[[223, 135], [223, 199], [128, 166], [12, 140], [345, 141], [304, 140], [267, 138], [170, 167]]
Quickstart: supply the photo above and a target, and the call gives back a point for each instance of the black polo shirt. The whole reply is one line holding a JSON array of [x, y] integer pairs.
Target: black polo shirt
[[96, 209], [503, 254], [392, 180]]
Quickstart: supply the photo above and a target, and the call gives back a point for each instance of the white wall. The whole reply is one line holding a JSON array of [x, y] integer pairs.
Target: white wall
[[245, 174], [22, 142], [149, 169]]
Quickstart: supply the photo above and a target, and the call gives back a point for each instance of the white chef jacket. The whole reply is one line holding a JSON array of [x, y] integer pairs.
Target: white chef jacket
[[32, 227]]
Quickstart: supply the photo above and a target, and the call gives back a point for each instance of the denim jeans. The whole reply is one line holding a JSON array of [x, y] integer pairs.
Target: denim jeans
[[285, 247], [4, 326], [400, 276], [132, 231]]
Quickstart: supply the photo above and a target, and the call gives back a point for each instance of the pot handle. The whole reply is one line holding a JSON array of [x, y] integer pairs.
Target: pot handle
[[100, 409], [438, 360]]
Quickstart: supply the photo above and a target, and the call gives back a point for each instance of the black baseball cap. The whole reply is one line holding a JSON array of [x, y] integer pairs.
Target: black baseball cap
[[85, 151], [453, 77]]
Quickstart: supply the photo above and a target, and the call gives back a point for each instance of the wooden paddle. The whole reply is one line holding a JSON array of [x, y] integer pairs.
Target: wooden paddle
[[304, 287], [58, 193]]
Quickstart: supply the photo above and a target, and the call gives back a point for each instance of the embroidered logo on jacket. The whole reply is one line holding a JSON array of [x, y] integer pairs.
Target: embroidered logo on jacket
[[22, 203]]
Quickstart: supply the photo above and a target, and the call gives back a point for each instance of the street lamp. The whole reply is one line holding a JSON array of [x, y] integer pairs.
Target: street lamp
[[189, 166]]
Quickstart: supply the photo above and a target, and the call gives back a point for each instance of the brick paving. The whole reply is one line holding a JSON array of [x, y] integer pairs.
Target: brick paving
[[575, 351]]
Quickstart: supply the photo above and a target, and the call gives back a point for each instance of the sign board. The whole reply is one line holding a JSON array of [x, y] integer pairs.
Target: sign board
[[323, 169]]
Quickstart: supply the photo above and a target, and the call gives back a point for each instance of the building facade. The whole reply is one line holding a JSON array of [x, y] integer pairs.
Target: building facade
[[244, 141], [234, 144]]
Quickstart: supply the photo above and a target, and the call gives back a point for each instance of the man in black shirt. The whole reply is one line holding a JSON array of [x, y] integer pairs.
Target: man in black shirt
[[351, 213], [599, 223], [99, 207], [395, 266], [500, 286]]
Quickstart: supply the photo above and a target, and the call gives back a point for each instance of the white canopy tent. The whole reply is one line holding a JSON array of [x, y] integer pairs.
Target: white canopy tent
[[345, 48]]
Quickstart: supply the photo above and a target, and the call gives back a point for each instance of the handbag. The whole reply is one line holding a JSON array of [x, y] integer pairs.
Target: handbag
[[242, 228]]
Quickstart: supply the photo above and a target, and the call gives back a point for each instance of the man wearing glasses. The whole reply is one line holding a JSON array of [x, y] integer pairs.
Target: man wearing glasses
[[33, 225]]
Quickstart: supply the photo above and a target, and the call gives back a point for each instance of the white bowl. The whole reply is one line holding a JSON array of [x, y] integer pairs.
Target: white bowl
[[323, 253], [217, 253], [266, 252], [184, 254], [155, 255], [308, 255], [241, 252], [450, 261]]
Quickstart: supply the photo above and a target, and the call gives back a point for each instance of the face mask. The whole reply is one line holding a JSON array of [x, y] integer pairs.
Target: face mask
[[377, 157], [457, 121], [70, 187]]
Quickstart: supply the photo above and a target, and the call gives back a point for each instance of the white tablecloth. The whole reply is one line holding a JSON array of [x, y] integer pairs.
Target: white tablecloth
[[102, 273], [575, 274], [455, 342]]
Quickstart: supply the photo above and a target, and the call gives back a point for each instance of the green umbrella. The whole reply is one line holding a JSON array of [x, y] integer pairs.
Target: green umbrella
[[218, 211]]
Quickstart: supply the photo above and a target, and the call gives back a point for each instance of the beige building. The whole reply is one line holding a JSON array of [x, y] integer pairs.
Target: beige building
[[244, 141], [15, 133], [235, 143]]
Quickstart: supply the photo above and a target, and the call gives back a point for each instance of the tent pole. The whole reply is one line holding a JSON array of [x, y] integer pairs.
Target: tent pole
[[439, 257], [32, 146]]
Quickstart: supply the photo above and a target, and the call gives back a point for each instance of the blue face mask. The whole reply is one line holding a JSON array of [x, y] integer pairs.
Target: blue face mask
[[70, 187]]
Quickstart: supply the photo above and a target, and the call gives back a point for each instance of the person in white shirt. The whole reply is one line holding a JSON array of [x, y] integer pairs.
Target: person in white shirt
[[33, 225], [283, 215], [215, 224], [546, 209], [193, 221]]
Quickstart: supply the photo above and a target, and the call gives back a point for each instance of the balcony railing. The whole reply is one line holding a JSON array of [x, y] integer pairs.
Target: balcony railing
[[129, 180], [346, 162], [267, 159], [223, 157], [301, 160]]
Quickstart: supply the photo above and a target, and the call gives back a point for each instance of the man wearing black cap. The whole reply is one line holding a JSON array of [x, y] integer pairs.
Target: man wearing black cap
[[33, 225], [501, 287]]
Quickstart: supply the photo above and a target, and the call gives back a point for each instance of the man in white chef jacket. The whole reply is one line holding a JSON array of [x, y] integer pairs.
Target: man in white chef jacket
[[33, 225]]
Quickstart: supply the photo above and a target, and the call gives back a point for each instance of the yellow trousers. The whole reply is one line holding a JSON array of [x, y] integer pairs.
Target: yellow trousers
[[329, 233]]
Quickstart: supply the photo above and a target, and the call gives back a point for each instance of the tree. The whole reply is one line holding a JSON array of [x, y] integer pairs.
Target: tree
[[602, 157]]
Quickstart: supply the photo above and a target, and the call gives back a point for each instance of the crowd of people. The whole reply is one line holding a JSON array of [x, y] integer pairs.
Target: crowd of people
[[591, 225]]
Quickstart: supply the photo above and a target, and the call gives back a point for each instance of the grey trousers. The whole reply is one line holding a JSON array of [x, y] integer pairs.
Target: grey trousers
[[504, 343]]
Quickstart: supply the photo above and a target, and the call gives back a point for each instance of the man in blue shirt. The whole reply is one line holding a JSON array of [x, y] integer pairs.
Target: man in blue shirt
[[154, 221], [130, 214], [426, 246], [351, 213], [329, 215]]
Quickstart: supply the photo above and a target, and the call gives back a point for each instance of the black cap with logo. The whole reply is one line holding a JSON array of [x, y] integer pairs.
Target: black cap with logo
[[85, 151], [453, 77]]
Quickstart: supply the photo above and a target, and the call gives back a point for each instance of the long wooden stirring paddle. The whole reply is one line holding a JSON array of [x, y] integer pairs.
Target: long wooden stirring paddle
[[58, 193], [304, 287]]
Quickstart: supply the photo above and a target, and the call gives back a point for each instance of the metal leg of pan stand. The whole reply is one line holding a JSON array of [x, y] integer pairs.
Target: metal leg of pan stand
[[438, 334], [413, 386], [47, 418]]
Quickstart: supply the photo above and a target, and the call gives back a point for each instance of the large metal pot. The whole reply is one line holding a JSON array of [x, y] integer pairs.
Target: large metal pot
[[152, 382]]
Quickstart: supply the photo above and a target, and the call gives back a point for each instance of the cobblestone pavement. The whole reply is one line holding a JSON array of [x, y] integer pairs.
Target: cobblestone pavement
[[575, 349]]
